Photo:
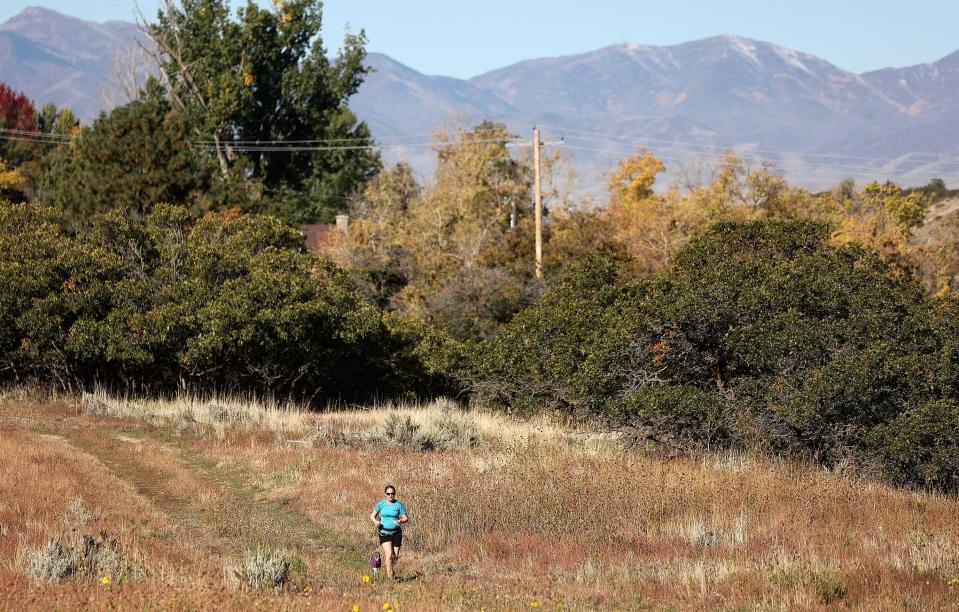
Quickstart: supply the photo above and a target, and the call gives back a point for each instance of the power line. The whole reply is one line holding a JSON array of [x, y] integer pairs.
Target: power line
[[398, 142], [430, 138], [32, 133], [641, 141], [767, 151], [841, 170], [40, 137], [297, 148], [792, 165], [613, 141], [34, 140], [819, 168], [279, 145], [322, 141], [754, 152]]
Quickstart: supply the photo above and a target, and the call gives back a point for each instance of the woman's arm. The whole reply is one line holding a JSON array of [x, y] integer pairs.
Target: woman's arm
[[375, 518], [404, 519]]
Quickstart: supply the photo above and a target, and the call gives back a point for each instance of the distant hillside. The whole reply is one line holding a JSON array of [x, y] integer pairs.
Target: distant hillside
[[61, 59], [686, 102], [689, 102]]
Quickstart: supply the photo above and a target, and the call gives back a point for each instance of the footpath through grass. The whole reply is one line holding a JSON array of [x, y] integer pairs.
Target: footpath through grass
[[505, 515]]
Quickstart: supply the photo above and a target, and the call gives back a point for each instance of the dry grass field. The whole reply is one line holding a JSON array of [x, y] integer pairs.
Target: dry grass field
[[190, 504]]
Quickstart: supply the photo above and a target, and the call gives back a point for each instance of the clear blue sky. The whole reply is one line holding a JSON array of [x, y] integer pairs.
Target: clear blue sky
[[463, 39]]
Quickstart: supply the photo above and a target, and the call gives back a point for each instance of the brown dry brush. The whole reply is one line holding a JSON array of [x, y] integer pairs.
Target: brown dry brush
[[73, 551], [261, 569], [448, 429]]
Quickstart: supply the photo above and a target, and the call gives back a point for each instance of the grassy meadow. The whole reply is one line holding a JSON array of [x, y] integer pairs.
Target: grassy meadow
[[190, 503]]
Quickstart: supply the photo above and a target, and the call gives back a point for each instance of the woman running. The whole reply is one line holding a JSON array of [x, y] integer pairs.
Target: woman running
[[388, 516]]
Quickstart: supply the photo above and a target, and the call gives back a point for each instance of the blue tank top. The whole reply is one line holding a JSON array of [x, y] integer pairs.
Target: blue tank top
[[390, 513]]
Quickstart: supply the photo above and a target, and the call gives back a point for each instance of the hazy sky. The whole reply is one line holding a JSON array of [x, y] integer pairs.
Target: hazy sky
[[463, 39]]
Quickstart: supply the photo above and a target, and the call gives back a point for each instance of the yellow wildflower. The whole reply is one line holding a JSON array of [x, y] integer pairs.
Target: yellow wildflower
[[356, 609], [366, 579], [534, 604], [105, 580], [386, 606]]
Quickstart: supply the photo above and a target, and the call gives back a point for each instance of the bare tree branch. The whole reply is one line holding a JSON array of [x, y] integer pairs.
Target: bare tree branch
[[185, 76]]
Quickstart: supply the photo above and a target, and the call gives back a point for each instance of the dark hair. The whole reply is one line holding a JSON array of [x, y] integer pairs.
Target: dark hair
[[388, 487]]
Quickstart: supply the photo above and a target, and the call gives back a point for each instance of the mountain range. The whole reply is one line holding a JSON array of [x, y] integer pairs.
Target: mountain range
[[814, 121], [55, 58]]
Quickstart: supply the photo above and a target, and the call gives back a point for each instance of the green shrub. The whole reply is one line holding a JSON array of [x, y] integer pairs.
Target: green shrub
[[75, 553], [33, 249], [679, 416], [158, 303], [400, 431], [763, 334], [53, 561], [451, 428], [921, 446], [447, 429], [540, 361]]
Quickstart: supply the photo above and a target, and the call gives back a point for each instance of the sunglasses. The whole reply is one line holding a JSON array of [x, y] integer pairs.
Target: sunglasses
[[391, 492]]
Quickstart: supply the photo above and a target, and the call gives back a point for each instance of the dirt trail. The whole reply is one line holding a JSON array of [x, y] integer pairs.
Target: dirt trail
[[215, 507]]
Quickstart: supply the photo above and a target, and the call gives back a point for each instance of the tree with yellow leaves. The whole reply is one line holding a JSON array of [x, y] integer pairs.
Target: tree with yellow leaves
[[883, 217], [374, 250], [447, 253], [12, 183], [458, 229], [641, 219], [652, 226]]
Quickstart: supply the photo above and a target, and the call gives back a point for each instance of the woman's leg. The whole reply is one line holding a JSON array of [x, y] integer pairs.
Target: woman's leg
[[397, 544], [387, 547]]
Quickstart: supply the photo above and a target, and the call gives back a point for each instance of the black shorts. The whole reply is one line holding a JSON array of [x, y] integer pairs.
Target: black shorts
[[396, 537]]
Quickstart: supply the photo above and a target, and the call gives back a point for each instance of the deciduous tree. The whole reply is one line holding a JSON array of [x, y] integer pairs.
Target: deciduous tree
[[263, 76], [18, 119]]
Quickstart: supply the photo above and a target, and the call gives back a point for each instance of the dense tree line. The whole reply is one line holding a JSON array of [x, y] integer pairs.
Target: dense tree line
[[164, 301], [763, 335]]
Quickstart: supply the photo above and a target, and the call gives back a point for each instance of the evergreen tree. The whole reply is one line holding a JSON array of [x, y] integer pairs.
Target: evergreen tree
[[58, 121], [138, 156]]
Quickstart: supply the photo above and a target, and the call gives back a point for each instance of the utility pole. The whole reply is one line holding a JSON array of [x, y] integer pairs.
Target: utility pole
[[538, 205]]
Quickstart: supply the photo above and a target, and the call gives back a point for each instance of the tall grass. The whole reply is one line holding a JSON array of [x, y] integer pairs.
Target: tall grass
[[440, 424], [678, 528], [532, 512]]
